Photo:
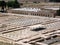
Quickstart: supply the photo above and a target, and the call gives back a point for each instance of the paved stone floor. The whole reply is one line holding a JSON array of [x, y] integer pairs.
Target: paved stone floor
[[16, 28]]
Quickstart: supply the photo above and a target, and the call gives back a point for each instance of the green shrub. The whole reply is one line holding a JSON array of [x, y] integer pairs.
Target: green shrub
[[13, 4], [58, 12]]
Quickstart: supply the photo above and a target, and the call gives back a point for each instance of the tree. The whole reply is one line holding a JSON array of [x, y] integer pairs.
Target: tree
[[58, 12], [34, 2], [10, 4], [13, 4], [16, 4], [54, 0], [2, 5]]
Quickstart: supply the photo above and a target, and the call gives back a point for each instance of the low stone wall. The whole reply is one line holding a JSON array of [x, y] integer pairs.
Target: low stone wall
[[39, 13]]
